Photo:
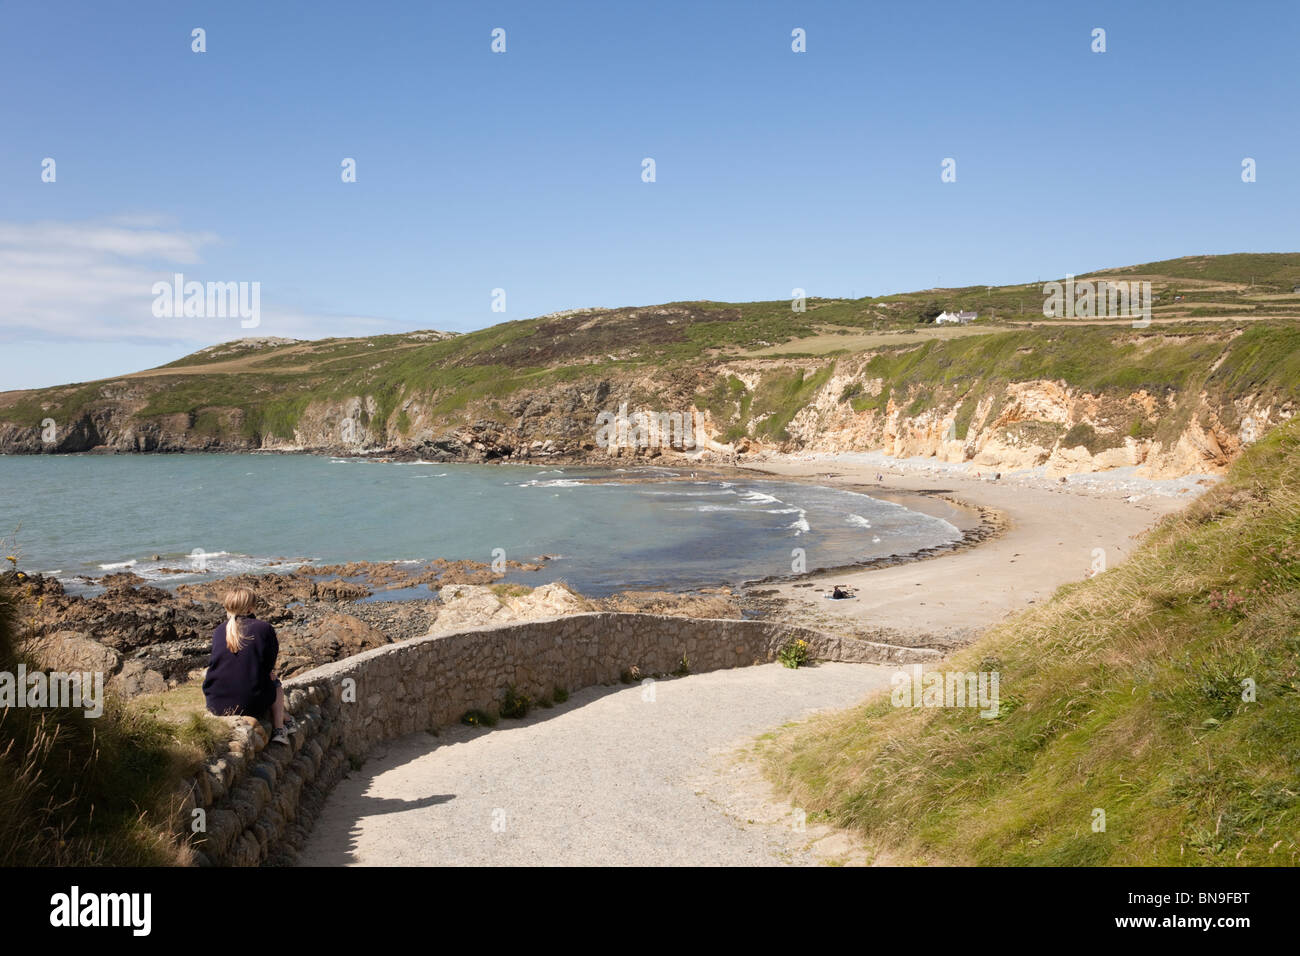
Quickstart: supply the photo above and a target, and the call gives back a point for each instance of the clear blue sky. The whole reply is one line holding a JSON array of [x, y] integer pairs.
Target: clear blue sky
[[522, 170]]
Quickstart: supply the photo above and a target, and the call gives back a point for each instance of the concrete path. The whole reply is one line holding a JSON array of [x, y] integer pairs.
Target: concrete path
[[609, 777]]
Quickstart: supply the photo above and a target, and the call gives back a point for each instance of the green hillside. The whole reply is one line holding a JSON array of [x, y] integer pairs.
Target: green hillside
[[232, 394], [1124, 694]]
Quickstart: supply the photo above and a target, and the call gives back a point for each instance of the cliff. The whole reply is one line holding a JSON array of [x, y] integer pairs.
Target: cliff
[[716, 381]]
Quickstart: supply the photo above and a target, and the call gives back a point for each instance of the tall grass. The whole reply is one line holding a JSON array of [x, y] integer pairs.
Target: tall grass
[[1124, 694], [78, 791]]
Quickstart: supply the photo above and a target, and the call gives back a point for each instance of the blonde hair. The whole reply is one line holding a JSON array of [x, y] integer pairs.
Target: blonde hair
[[239, 601]]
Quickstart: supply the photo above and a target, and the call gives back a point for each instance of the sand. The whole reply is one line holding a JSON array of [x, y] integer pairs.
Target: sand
[[1050, 536]]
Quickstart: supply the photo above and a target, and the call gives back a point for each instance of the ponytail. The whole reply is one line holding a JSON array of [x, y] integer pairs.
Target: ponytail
[[233, 639], [237, 602]]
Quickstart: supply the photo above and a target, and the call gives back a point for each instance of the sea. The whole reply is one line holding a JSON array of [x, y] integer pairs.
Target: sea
[[79, 517]]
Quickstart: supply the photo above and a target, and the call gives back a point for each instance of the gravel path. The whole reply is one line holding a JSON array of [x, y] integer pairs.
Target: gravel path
[[608, 777]]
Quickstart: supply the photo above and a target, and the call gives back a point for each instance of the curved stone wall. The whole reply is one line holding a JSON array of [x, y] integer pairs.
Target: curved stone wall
[[259, 802]]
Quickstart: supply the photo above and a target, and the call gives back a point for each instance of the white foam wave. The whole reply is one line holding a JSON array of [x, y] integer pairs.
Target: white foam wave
[[692, 494]]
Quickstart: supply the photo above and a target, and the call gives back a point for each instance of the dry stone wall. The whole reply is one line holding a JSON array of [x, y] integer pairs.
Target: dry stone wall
[[258, 801]]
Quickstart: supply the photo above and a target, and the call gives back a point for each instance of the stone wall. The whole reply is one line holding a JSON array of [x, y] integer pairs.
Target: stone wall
[[259, 801]]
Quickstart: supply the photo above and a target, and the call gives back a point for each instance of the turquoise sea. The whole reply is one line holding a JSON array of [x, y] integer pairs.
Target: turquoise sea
[[214, 515]]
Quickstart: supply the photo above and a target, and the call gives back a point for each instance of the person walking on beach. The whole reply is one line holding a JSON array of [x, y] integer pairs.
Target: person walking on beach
[[241, 672]]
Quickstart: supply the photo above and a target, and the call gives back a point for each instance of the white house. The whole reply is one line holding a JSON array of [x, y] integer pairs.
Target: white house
[[956, 318]]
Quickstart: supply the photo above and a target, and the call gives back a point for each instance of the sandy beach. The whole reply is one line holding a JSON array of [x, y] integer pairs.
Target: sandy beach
[[1049, 535]]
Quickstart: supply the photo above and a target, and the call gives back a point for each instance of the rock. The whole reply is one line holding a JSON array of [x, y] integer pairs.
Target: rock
[[74, 651], [334, 637], [135, 679], [475, 605]]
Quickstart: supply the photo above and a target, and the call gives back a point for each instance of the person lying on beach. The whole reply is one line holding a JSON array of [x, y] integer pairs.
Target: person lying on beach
[[840, 592], [241, 672]]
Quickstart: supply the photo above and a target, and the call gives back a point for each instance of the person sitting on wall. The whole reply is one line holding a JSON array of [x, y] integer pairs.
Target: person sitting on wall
[[241, 672]]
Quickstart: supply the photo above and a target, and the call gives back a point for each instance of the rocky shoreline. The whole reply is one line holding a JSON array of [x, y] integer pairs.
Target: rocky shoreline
[[148, 639]]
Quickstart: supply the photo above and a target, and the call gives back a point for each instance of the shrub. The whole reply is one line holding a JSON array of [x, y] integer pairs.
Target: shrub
[[515, 705], [478, 718], [793, 653]]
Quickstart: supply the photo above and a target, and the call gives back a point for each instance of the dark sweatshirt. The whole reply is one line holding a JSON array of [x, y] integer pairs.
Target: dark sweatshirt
[[241, 683]]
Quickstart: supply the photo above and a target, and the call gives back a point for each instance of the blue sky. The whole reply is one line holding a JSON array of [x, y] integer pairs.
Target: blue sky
[[522, 170]]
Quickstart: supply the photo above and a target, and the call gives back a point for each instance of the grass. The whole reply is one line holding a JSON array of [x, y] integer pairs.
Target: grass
[[1164, 693], [507, 590], [185, 711], [81, 791], [768, 409]]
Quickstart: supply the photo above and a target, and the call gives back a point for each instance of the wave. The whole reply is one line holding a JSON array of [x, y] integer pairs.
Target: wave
[[691, 494], [179, 567], [857, 521], [553, 483]]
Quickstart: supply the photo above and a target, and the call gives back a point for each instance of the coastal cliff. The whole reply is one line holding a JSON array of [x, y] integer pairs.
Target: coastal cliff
[[726, 382]]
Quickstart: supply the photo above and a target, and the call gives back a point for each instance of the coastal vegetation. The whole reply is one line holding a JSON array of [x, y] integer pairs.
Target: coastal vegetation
[[1148, 716], [79, 790]]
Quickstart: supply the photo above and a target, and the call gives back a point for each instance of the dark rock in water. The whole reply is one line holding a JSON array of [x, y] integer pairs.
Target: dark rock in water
[[121, 579]]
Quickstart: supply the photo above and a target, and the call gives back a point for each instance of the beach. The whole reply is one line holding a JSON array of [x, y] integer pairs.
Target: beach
[[1048, 535]]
